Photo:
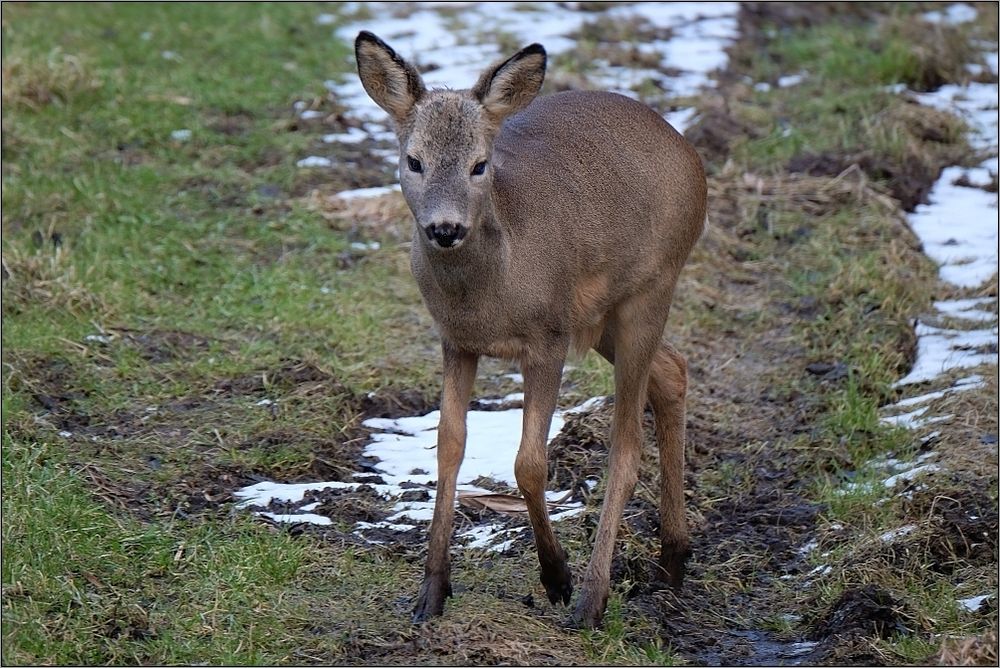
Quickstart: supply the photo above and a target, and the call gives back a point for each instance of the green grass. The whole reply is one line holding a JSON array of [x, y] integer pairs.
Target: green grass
[[213, 292], [85, 587]]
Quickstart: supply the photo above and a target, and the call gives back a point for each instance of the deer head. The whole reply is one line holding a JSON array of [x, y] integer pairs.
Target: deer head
[[446, 136]]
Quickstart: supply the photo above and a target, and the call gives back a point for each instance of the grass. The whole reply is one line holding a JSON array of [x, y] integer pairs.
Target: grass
[[157, 290]]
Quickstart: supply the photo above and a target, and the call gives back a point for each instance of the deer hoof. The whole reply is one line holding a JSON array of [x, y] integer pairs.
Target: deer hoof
[[558, 582], [672, 565], [588, 614], [430, 601]]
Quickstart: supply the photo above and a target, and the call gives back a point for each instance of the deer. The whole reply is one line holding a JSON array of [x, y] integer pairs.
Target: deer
[[546, 226]]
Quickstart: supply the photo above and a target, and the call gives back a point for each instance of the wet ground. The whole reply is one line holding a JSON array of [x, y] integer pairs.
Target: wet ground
[[751, 579]]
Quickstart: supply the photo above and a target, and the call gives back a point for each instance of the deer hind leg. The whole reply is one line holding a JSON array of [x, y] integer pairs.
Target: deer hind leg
[[631, 343], [541, 391], [459, 376], [667, 395]]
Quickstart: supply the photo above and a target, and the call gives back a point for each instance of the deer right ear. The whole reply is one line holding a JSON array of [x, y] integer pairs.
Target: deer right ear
[[508, 87], [394, 84]]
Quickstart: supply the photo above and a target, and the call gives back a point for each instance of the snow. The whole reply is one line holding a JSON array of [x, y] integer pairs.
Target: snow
[[890, 536], [910, 474], [972, 603], [406, 450], [363, 193], [967, 309], [314, 161], [352, 136], [426, 36], [953, 15], [958, 230], [940, 350], [790, 80], [299, 517]]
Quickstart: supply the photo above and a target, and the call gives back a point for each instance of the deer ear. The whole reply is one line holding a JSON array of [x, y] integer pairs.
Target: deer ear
[[394, 84], [509, 86]]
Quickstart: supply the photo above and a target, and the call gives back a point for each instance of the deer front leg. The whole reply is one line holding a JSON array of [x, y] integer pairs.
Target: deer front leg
[[459, 376], [541, 390]]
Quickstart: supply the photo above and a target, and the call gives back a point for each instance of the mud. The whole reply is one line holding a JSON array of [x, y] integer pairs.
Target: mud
[[747, 504]]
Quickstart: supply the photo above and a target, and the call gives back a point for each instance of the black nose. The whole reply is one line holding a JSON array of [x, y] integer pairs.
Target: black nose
[[445, 234]]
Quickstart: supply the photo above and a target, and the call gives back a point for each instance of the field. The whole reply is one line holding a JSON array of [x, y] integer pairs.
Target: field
[[188, 309]]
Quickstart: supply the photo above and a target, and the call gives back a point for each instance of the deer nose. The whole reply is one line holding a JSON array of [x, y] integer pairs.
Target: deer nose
[[445, 234]]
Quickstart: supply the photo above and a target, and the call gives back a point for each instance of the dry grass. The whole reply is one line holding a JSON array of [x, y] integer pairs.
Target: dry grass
[[45, 278], [972, 651], [385, 217], [34, 83]]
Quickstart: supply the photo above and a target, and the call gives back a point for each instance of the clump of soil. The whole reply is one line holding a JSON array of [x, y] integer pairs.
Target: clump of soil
[[580, 451], [715, 132], [864, 610], [962, 523]]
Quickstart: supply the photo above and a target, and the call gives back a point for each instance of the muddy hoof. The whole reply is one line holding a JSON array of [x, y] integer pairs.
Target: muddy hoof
[[430, 602], [558, 581], [672, 566]]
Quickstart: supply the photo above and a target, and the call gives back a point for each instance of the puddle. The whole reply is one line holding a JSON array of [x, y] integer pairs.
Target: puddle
[[759, 648]]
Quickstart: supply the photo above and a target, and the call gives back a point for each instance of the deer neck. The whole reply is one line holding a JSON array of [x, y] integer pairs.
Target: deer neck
[[478, 266]]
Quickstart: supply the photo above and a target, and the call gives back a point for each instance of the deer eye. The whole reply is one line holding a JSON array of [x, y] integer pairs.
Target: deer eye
[[414, 164], [479, 168]]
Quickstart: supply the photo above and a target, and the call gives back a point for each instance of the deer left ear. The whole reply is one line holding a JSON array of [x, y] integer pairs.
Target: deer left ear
[[510, 86]]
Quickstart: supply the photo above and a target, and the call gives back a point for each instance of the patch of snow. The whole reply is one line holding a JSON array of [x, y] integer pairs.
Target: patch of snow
[[940, 350], [310, 114], [383, 525], [762, 86], [958, 228], [352, 136], [264, 402], [909, 474], [808, 547], [514, 396], [361, 193], [181, 135], [890, 536], [309, 518], [314, 161], [98, 338], [700, 33], [968, 383], [790, 80], [326, 20], [952, 15], [967, 309], [972, 603], [65, 434], [589, 405], [365, 245], [406, 450]]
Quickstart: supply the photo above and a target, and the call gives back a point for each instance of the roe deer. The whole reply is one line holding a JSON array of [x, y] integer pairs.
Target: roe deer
[[544, 225]]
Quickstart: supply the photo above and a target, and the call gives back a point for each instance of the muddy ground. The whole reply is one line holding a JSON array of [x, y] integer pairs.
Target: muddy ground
[[752, 406]]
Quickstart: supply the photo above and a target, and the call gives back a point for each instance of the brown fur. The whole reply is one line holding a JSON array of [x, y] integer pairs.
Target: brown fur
[[574, 235]]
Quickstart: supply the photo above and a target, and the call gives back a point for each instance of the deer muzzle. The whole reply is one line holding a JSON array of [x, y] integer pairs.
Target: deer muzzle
[[445, 235]]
